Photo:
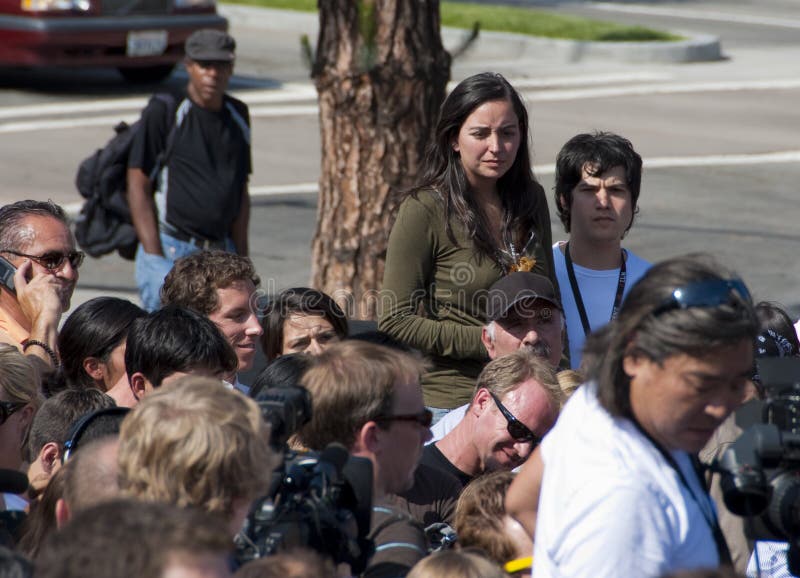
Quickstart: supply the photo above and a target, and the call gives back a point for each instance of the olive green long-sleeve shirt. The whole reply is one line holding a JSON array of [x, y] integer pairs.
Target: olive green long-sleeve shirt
[[449, 283]]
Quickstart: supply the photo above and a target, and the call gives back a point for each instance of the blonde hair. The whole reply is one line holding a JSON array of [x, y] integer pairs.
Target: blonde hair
[[350, 384], [195, 443], [455, 564], [479, 516], [506, 373], [19, 382], [569, 380]]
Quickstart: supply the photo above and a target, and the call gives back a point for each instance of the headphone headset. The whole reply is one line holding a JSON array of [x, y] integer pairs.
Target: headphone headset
[[78, 429]]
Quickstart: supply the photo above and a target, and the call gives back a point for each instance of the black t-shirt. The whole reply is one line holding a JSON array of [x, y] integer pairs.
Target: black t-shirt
[[207, 168], [433, 457], [399, 543], [433, 497]]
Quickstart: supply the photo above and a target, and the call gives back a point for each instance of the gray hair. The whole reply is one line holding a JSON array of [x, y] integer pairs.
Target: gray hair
[[17, 238]]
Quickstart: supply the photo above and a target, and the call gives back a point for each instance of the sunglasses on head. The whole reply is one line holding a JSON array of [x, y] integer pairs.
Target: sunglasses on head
[[708, 293], [8, 408], [423, 418], [516, 429], [53, 260]]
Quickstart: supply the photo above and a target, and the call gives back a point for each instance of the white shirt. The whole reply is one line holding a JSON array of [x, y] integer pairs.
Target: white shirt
[[442, 427], [15, 502], [772, 561], [598, 290], [611, 505]]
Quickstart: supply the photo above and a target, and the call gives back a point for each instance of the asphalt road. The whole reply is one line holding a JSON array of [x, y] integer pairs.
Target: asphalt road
[[719, 139]]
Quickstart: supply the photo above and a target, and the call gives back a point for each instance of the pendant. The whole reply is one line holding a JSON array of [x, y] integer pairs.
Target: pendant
[[523, 264]]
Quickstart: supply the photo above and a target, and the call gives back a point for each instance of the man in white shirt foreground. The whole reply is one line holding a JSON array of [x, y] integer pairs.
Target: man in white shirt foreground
[[620, 494]]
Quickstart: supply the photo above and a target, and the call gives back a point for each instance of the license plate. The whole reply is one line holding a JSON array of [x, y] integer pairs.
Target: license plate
[[146, 43]]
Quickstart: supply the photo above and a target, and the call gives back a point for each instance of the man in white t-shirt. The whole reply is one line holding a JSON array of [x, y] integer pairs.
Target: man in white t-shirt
[[598, 179], [622, 494]]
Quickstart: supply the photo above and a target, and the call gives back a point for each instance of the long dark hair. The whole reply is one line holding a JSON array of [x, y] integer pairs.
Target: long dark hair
[[443, 172], [641, 330], [94, 329]]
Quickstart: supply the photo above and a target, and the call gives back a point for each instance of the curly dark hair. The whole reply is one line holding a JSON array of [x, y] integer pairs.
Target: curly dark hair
[[194, 279]]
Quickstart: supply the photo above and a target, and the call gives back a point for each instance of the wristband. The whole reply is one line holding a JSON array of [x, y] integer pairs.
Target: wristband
[[47, 349], [518, 564]]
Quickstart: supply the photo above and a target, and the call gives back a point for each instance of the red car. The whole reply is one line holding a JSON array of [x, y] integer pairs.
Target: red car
[[142, 38]]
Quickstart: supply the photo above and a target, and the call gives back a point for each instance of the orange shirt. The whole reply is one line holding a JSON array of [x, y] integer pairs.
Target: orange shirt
[[11, 331]]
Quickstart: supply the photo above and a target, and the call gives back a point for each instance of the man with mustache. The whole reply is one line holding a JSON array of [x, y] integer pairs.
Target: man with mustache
[[39, 273], [188, 168], [598, 179]]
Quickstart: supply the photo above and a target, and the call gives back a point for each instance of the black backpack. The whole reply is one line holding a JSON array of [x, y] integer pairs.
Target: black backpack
[[105, 223]]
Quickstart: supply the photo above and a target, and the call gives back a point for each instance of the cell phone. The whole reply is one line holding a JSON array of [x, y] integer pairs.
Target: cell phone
[[7, 271]]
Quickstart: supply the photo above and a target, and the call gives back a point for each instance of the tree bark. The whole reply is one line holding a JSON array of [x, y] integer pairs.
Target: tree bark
[[381, 74]]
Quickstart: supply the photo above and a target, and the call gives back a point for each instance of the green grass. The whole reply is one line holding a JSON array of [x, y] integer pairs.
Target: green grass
[[513, 19], [543, 23], [296, 5]]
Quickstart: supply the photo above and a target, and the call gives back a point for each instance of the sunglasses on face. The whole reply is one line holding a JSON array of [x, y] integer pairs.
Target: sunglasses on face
[[423, 418], [53, 261], [516, 429], [8, 408], [709, 293]]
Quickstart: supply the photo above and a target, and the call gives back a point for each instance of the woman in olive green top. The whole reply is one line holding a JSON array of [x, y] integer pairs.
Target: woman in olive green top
[[477, 214]]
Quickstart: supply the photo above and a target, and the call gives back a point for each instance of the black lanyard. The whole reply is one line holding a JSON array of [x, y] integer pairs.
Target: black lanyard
[[576, 291], [709, 516]]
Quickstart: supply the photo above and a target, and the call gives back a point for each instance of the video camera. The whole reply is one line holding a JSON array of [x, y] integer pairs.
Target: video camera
[[760, 471], [320, 501]]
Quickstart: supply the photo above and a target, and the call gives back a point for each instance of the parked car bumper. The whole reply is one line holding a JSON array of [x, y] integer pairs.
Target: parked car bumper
[[95, 40]]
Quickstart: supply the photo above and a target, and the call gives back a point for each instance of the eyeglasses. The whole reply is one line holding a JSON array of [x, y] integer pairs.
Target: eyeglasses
[[423, 418], [709, 293], [53, 261], [8, 408], [516, 429]]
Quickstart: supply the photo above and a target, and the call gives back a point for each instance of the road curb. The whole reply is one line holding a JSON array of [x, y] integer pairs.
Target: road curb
[[504, 46], [696, 48]]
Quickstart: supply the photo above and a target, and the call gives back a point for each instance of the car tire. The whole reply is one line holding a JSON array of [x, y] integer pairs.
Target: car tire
[[146, 74]]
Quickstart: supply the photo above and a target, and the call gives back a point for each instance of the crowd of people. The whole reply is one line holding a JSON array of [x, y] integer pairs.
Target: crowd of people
[[523, 407]]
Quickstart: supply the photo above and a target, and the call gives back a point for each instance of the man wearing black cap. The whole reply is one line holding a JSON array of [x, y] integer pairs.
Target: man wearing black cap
[[523, 312], [189, 166]]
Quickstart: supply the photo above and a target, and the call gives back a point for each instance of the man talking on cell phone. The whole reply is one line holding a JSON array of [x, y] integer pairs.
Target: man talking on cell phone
[[35, 239]]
